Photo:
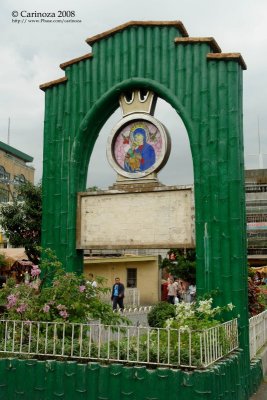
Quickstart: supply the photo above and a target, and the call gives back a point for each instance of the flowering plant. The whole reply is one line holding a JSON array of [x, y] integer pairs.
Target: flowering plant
[[255, 299], [183, 340], [68, 297], [197, 315]]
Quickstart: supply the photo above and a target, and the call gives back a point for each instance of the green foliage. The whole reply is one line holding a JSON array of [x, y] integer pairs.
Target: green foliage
[[68, 298], [184, 327], [198, 315], [92, 189], [251, 272], [178, 343], [3, 260], [49, 265], [160, 313], [256, 302], [263, 297], [181, 264], [21, 220]]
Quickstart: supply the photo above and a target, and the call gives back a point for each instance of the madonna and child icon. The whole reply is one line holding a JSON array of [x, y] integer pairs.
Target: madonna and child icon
[[141, 155], [139, 144]]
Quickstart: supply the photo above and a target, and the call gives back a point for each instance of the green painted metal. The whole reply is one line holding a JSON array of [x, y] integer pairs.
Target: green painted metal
[[115, 373], [3, 381], [11, 376], [51, 377], [37, 379], [21, 378], [207, 94], [140, 381], [71, 380], [81, 384]]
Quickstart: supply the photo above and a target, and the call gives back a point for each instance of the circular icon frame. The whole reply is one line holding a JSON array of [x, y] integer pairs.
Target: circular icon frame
[[138, 145]]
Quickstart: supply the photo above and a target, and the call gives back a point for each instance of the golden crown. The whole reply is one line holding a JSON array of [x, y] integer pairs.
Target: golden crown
[[138, 100], [138, 125]]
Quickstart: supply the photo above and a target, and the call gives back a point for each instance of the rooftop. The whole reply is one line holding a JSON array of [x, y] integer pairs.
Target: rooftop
[[14, 152]]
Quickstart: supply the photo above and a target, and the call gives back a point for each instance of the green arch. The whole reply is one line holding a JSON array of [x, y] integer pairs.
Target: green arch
[[206, 91]]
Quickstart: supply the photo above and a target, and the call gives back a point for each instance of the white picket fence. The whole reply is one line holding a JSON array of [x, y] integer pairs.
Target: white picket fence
[[131, 299], [163, 347], [137, 315], [257, 333], [126, 344]]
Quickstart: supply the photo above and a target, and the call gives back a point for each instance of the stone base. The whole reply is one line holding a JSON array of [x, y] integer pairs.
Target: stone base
[[127, 184]]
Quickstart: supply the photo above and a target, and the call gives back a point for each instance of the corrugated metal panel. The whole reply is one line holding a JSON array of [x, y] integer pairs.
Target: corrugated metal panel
[[34, 379]]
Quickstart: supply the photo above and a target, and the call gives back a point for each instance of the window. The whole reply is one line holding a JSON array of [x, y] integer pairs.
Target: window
[[19, 179], [4, 176], [131, 277], [4, 195], [256, 218]]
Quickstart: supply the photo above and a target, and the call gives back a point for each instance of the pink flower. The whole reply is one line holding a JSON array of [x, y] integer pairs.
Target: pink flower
[[82, 288], [62, 311], [35, 270], [63, 314], [46, 308], [12, 300], [21, 308]]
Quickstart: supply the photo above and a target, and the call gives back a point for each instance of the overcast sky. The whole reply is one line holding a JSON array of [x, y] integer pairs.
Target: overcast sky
[[31, 54]]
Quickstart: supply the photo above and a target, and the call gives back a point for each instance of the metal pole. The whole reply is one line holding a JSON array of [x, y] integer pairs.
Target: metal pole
[[8, 131]]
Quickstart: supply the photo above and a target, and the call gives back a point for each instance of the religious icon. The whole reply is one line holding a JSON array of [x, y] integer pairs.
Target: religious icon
[[141, 154], [139, 144]]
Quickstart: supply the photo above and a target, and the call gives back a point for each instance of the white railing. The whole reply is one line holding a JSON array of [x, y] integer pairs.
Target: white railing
[[137, 310], [131, 298], [257, 332], [129, 344], [218, 341], [137, 315]]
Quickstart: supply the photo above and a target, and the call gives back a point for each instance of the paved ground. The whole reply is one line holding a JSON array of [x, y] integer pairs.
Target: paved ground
[[261, 393]]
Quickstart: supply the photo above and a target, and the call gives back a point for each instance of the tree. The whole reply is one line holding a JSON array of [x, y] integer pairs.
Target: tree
[[21, 220], [181, 264]]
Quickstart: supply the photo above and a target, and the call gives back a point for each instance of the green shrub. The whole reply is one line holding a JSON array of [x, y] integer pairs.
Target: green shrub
[[3, 260], [181, 264], [160, 313], [68, 298], [256, 301]]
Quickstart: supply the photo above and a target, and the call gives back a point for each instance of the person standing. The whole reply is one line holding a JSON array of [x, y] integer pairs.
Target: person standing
[[172, 291], [117, 294], [91, 280]]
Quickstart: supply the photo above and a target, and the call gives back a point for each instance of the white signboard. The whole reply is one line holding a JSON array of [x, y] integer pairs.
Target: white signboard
[[156, 219]]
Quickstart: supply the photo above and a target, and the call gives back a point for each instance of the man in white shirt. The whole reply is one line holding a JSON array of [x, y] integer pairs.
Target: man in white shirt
[[91, 280]]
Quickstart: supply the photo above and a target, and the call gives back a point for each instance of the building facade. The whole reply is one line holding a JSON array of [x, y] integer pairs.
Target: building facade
[[256, 208], [139, 274], [14, 170]]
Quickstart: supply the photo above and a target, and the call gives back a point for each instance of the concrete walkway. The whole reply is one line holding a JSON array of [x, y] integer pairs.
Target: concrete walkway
[[261, 393]]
